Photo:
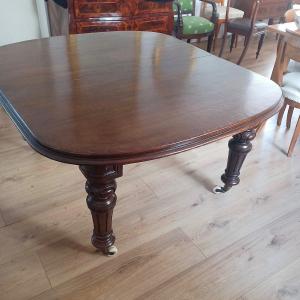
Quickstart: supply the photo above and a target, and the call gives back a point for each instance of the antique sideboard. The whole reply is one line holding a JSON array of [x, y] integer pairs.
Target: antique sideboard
[[115, 15]]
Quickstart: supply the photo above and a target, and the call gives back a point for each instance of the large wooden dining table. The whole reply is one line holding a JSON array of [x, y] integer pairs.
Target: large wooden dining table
[[104, 100]]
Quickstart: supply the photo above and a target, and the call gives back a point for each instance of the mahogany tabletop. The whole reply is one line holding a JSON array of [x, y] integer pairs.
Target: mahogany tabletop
[[123, 97]]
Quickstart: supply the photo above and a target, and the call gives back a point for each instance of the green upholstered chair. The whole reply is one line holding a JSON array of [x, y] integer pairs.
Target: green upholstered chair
[[188, 26]]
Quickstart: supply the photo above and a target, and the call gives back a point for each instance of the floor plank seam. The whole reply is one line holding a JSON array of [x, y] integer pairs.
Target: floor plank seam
[[197, 246], [46, 275], [258, 229], [4, 221], [151, 189], [243, 294], [236, 297]]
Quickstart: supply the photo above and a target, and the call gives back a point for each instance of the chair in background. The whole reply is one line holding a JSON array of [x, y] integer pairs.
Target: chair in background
[[234, 13], [188, 26], [247, 27], [290, 82]]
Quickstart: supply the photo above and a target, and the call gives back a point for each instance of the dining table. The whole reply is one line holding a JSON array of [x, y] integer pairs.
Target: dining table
[[101, 101]]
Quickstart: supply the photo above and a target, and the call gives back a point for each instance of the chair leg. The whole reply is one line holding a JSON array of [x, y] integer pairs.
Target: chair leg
[[294, 139], [260, 43], [217, 31], [289, 117], [210, 42], [223, 41], [281, 113], [233, 37], [247, 43], [281, 20]]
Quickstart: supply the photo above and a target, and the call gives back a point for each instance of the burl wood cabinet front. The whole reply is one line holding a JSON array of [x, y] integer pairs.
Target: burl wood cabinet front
[[114, 15]]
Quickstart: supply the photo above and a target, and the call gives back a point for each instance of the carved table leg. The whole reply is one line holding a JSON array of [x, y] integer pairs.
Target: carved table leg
[[101, 200], [239, 146]]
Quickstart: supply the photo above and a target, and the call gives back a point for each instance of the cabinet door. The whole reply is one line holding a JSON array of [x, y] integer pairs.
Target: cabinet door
[[84, 9], [86, 27], [152, 7], [155, 24]]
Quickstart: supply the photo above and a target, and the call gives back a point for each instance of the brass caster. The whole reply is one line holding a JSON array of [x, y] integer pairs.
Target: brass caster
[[111, 251], [218, 190]]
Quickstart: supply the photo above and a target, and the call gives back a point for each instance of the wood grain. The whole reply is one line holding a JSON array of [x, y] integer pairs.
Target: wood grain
[[2, 223], [282, 285], [22, 277], [207, 281], [99, 15], [134, 272], [127, 93]]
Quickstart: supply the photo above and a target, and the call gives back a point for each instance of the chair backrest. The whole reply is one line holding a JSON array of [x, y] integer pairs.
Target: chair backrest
[[289, 49], [187, 7], [250, 7]]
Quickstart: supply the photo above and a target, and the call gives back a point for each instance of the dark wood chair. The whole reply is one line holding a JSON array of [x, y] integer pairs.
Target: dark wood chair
[[247, 26], [234, 13], [188, 26]]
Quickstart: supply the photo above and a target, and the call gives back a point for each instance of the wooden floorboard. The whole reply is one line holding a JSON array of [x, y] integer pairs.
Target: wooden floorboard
[[176, 239], [135, 271], [229, 273], [282, 285]]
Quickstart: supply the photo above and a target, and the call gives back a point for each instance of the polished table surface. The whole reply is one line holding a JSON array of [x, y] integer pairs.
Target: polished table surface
[[124, 97], [107, 99]]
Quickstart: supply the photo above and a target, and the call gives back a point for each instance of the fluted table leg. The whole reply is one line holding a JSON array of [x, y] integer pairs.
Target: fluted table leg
[[239, 147], [101, 200]]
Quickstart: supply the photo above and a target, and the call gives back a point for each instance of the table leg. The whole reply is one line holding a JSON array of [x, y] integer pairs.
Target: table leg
[[101, 200], [239, 146]]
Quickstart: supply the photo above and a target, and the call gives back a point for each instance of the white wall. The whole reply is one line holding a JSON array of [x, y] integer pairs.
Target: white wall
[[19, 21]]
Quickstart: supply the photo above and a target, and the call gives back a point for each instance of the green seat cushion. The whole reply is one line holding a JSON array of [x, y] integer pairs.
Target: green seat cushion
[[187, 6], [196, 25]]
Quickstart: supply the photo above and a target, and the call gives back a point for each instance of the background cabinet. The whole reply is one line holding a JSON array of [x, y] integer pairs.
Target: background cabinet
[[110, 15]]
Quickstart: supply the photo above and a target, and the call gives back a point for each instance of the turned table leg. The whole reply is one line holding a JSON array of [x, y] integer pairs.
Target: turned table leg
[[101, 200], [239, 146]]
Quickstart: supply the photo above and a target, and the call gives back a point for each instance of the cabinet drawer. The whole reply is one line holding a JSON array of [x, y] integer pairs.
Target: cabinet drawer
[[96, 9], [155, 24], [146, 7], [85, 27]]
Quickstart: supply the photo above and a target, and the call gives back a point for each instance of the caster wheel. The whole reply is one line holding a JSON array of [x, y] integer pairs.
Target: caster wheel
[[111, 251], [218, 190]]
